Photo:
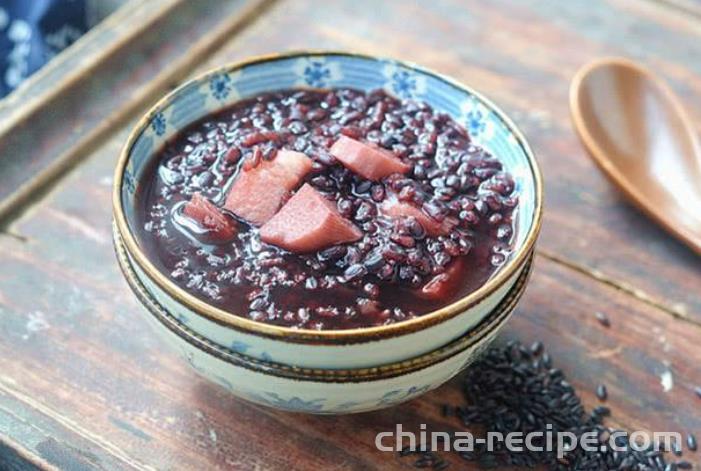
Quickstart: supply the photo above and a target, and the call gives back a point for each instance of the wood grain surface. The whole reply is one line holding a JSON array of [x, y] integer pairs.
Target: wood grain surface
[[85, 385]]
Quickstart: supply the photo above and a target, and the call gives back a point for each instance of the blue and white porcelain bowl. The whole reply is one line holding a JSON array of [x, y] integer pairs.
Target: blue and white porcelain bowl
[[321, 391], [330, 349]]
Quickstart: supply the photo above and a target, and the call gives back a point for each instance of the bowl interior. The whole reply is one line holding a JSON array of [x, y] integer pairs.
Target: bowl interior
[[487, 125]]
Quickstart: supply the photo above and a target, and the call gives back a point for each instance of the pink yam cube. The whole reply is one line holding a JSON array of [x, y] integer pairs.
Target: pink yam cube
[[308, 222], [394, 208], [258, 192], [445, 284], [367, 160], [209, 217]]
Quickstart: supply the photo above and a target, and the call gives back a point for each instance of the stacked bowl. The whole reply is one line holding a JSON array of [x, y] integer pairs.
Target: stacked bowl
[[328, 371]]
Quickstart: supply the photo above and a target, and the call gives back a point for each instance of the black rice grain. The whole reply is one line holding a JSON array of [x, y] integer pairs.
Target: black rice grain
[[536, 348], [603, 319], [513, 388], [447, 410], [601, 392], [677, 448]]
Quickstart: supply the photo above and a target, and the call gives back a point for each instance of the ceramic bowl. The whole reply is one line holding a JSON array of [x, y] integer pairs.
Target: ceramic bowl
[[330, 349], [321, 391]]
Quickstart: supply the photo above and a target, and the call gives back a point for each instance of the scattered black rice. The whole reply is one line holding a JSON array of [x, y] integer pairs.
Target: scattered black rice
[[698, 391], [513, 388], [677, 448], [537, 348], [425, 459], [691, 442], [601, 392], [447, 410], [603, 319]]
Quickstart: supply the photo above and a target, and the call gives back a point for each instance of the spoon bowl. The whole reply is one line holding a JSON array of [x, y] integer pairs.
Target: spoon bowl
[[638, 133]]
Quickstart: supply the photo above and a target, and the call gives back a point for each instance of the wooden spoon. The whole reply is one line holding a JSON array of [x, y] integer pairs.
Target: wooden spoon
[[638, 133]]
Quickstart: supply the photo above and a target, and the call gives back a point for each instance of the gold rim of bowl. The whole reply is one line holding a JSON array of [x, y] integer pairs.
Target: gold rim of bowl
[[356, 335]]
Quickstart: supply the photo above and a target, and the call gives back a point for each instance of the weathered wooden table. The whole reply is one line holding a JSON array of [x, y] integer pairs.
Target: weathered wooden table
[[85, 385]]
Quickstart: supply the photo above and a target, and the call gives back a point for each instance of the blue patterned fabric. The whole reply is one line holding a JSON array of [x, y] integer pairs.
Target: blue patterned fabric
[[32, 32]]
